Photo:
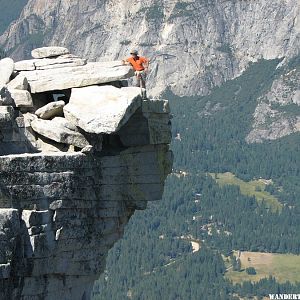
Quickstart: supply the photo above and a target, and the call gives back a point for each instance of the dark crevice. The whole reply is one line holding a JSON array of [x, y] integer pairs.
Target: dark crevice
[[112, 145]]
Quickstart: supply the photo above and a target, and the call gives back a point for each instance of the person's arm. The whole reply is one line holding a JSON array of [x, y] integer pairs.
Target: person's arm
[[125, 61]]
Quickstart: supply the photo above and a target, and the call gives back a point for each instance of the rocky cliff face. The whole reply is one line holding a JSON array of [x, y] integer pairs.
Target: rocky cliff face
[[186, 40], [193, 45], [277, 113], [72, 171]]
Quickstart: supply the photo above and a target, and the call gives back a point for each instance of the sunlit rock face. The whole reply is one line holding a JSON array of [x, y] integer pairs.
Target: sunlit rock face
[[193, 45], [77, 158]]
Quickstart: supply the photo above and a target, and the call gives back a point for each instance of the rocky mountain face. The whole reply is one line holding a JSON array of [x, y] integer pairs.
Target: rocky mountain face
[[73, 170], [10, 10], [278, 113], [193, 45]]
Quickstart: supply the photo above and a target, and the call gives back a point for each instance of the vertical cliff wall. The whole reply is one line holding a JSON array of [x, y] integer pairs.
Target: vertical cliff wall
[[72, 173]]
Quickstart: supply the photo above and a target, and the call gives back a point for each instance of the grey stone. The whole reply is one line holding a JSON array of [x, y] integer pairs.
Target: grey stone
[[157, 106], [16, 135], [45, 52], [34, 218], [21, 98], [159, 128], [102, 109], [52, 63], [50, 110], [87, 149], [68, 77], [19, 83], [28, 118], [65, 123], [6, 114], [25, 128], [145, 128], [10, 227], [5, 96], [46, 145], [6, 69], [5, 270], [59, 131], [25, 65]]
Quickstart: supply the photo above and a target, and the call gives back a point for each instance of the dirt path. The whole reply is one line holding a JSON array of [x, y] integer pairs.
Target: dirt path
[[195, 246]]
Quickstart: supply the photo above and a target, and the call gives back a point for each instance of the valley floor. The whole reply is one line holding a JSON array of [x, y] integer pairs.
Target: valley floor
[[281, 266], [254, 188]]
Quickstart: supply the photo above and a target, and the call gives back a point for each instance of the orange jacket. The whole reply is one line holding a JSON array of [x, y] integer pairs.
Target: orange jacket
[[137, 63]]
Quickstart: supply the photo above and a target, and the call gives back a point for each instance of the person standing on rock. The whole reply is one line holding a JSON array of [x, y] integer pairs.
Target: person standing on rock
[[140, 65]]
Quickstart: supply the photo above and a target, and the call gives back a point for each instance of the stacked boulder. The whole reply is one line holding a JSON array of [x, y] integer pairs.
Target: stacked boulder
[[79, 153], [94, 101]]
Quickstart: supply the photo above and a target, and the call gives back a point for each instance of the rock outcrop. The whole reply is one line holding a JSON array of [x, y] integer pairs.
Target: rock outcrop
[[277, 113], [62, 76], [59, 130], [50, 110], [70, 179], [108, 110], [46, 52], [6, 69], [18, 83]]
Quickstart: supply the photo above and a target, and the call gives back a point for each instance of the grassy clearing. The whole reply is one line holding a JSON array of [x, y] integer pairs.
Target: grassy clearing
[[254, 188], [284, 267]]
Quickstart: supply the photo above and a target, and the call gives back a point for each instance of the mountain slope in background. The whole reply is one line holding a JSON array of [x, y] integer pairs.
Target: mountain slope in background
[[10, 10], [210, 40]]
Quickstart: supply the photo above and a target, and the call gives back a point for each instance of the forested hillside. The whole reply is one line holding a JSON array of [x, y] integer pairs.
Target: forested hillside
[[155, 260]]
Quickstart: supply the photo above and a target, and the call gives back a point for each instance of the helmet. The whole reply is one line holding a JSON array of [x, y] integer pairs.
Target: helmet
[[133, 51]]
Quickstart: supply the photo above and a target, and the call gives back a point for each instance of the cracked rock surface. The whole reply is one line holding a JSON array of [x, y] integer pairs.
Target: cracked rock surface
[[69, 183]]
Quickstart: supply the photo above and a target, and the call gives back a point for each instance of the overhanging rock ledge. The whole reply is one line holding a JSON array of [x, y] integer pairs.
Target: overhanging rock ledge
[[72, 174]]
